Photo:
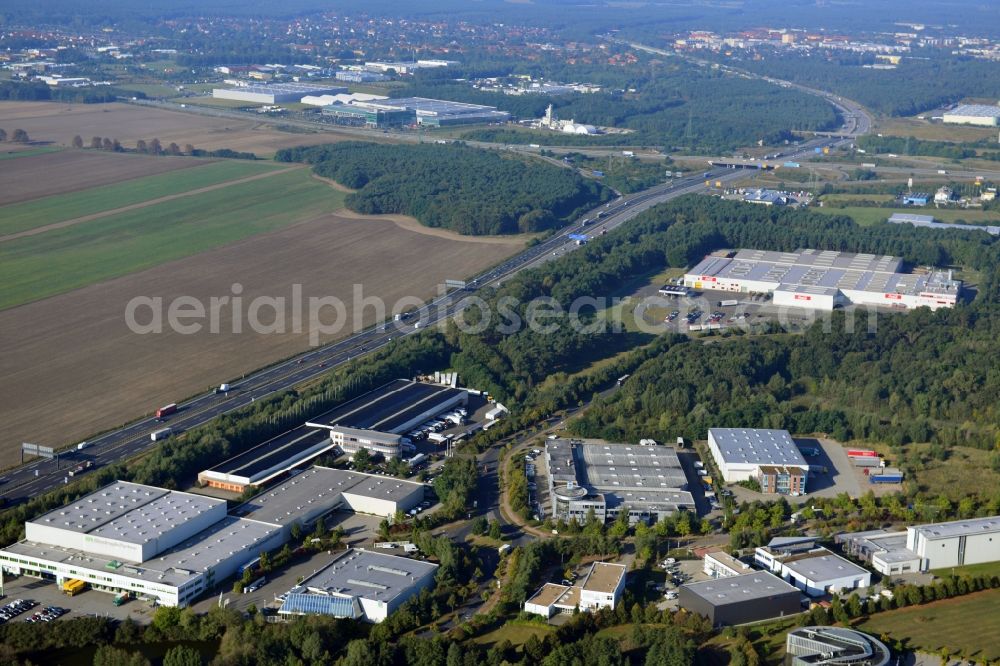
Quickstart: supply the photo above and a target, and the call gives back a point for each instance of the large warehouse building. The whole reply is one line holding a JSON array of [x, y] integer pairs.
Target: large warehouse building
[[824, 280], [740, 599], [648, 481], [172, 547], [153, 543], [377, 420], [267, 461], [955, 543], [442, 113], [319, 490], [276, 93], [360, 585], [769, 456], [973, 114]]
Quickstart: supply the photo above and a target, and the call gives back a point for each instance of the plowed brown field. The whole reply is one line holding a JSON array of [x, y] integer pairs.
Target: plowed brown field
[[59, 123], [37, 176], [71, 367]]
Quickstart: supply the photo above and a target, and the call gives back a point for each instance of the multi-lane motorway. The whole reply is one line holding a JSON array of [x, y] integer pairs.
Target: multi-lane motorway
[[40, 476]]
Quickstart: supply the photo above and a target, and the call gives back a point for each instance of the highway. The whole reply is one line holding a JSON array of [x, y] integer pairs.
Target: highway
[[39, 476]]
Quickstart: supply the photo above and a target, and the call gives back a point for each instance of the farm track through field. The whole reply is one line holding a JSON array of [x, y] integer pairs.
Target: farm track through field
[[143, 204]]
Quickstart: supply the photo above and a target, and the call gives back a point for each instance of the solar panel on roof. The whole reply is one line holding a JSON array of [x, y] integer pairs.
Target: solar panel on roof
[[305, 604]]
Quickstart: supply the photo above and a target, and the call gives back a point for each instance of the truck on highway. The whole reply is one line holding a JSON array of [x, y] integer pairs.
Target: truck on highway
[[166, 410], [223, 388], [162, 433], [82, 445], [80, 469]]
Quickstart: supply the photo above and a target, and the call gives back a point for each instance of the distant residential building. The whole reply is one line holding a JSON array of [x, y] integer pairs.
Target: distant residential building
[[351, 76], [944, 195]]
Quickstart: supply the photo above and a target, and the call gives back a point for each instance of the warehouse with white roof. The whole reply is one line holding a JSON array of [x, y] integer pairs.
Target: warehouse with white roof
[[824, 280], [319, 490], [152, 543], [171, 547], [361, 585], [983, 115], [647, 481], [770, 457], [276, 93]]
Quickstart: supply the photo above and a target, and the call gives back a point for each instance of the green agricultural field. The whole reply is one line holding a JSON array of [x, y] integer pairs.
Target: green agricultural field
[[60, 207], [13, 154], [151, 89], [868, 216], [969, 625], [34, 267]]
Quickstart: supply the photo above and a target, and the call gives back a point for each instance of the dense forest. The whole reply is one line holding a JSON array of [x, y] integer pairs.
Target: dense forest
[[468, 190], [919, 376], [920, 83], [666, 105]]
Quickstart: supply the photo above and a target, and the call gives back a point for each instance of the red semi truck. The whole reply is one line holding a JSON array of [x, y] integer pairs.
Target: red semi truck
[[166, 410]]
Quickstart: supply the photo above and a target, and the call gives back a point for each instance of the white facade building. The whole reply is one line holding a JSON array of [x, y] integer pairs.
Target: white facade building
[[360, 584], [319, 490], [817, 572], [955, 543], [740, 453], [822, 280], [724, 565], [276, 93], [602, 587], [983, 115], [153, 543], [172, 547]]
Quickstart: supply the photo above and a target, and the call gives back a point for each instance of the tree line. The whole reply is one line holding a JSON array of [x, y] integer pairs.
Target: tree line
[[35, 91], [468, 190], [923, 81]]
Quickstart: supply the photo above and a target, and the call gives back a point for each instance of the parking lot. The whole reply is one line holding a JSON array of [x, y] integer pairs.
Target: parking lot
[[91, 602], [840, 476], [538, 483], [721, 310]]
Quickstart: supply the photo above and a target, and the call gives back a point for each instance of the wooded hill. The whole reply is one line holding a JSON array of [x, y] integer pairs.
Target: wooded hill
[[453, 186]]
